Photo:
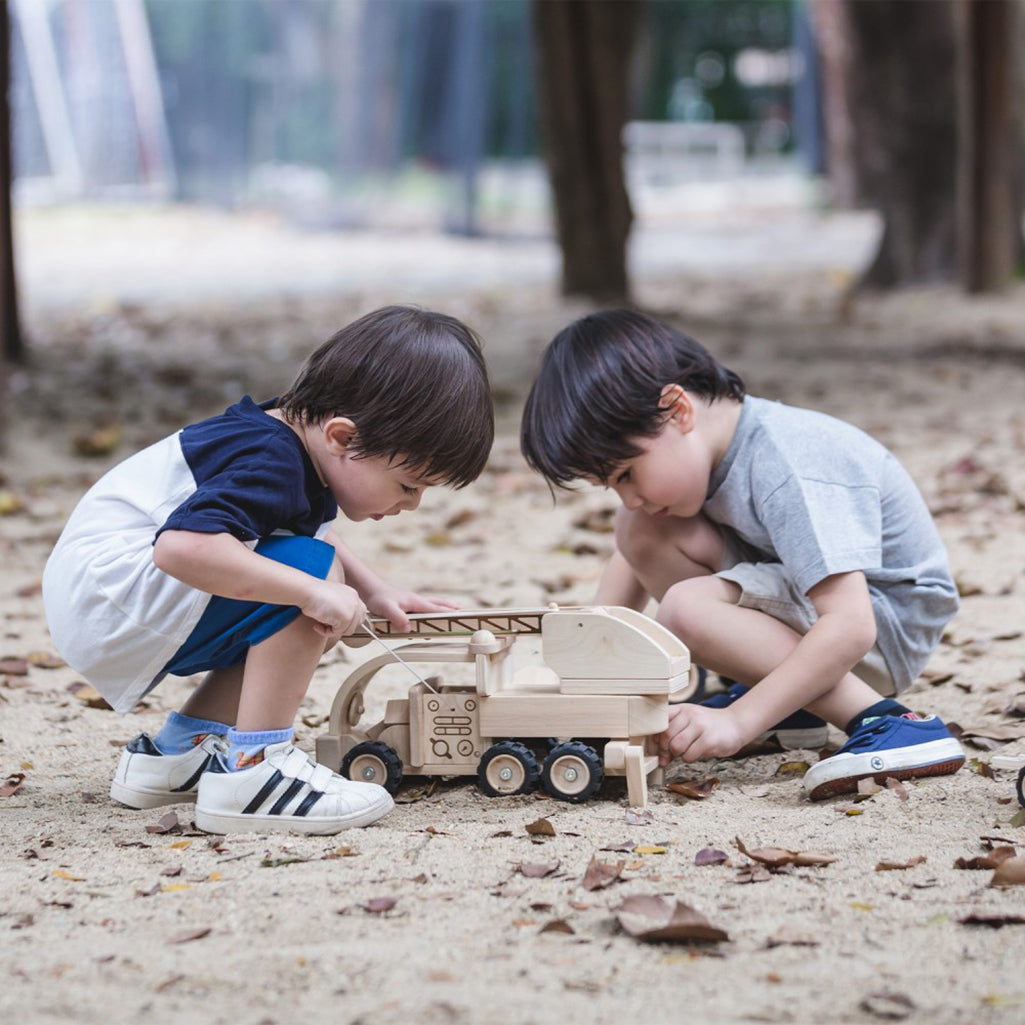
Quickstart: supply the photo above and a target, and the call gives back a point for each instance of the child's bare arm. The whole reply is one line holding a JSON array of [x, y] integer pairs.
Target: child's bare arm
[[809, 675], [382, 598], [221, 564]]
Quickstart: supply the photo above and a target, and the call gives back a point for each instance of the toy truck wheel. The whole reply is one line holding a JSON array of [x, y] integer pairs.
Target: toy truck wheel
[[572, 772], [507, 768], [374, 762]]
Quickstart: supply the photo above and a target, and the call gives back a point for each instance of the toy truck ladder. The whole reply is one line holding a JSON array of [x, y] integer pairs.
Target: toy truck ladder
[[465, 623]]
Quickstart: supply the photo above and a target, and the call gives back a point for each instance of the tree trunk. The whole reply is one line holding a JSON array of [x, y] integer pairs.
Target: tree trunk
[[989, 222], [902, 99], [10, 334], [584, 49]]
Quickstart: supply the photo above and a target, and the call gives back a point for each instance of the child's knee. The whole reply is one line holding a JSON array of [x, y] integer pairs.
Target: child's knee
[[692, 608]]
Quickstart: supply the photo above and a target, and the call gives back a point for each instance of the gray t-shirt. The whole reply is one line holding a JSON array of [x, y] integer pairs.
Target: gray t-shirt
[[821, 497]]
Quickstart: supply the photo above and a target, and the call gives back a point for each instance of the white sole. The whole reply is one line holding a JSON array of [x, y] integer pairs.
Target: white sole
[[840, 773], [236, 822], [132, 797]]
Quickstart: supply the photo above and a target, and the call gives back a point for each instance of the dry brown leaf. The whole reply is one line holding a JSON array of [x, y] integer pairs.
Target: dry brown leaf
[[378, 905], [538, 870], [792, 935], [775, 857], [891, 1006], [993, 919], [1009, 873], [168, 823], [752, 874], [992, 859], [600, 874], [639, 817], [558, 925], [11, 784], [88, 695], [650, 918], [894, 866], [792, 768], [540, 827], [45, 660], [99, 442], [12, 665], [695, 790], [191, 934], [711, 856]]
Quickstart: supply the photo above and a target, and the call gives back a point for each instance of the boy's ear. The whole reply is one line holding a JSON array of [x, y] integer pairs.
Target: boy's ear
[[679, 407], [339, 433]]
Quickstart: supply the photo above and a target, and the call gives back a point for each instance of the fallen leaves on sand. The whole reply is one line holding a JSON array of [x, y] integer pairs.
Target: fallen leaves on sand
[[890, 1006], [13, 665], [992, 919], [777, 857], [792, 935], [992, 859], [693, 789], [98, 442], [88, 695], [1009, 873], [639, 817], [11, 784], [895, 866], [168, 823], [190, 934], [540, 827], [379, 905], [558, 925], [654, 919], [538, 870], [600, 874], [711, 856]]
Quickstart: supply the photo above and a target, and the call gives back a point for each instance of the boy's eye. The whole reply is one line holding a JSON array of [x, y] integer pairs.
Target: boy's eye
[[623, 477], [408, 490]]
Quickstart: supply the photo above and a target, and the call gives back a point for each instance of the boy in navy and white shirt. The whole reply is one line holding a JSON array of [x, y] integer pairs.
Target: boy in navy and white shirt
[[212, 551]]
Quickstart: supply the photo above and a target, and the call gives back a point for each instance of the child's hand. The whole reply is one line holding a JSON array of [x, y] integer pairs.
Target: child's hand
[[696, 732], [393, 604], [336, 609]]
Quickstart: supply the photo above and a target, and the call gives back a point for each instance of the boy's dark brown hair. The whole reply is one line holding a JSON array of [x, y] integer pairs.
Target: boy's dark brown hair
[[599, 390], [415, 385]]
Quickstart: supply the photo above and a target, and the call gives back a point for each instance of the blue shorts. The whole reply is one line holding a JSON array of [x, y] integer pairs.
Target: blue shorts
[[228, 628]]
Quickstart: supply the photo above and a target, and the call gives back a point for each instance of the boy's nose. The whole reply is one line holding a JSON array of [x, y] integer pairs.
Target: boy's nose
[[629, 497]]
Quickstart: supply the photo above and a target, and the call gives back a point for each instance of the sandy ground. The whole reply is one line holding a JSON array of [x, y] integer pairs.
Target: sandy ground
[[427, 916]]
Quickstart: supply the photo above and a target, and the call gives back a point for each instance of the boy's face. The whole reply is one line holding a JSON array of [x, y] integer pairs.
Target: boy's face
[[670, 475], [372, 487], [365, 487]]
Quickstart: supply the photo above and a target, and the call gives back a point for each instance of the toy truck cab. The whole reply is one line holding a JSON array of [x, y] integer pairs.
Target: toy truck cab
[[590, 709]]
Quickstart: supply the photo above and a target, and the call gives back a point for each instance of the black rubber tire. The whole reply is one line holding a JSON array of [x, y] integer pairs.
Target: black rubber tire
[[376, 756], [572, 772], [509, 754]]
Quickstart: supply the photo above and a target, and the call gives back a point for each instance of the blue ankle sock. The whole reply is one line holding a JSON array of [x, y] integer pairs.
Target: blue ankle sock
[[182, 733], [246, 749], [885, 707]]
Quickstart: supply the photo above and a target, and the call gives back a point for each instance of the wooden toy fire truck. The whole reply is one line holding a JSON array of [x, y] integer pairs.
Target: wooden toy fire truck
[[591, 709]]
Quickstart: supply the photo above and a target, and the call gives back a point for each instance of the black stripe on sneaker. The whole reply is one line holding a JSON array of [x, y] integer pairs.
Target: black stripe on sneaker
[[308, 802], [265, 791], [193, 780], [293, 788]]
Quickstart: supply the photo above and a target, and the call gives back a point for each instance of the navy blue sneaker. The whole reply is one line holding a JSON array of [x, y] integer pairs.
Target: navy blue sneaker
[[897, 746], [800, 730]]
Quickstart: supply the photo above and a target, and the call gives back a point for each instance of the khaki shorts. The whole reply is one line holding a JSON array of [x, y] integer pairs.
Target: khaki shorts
[[765, 586]]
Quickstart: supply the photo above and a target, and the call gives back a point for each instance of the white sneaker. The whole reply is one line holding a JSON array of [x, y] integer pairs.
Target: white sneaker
[[147, 778], [286, 791]]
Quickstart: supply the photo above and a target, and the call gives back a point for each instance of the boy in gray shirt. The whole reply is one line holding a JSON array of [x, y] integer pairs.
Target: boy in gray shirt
[[789, 550]]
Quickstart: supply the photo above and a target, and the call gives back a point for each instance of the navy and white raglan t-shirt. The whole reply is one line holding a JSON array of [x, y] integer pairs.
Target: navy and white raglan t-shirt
[[117, 619]]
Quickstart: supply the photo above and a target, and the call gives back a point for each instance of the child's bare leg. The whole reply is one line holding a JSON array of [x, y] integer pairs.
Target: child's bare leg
[[747, 644], [276, 676], [663, 551], [217, 696]]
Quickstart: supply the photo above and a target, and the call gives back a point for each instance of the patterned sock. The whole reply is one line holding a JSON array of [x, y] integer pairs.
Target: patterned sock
[[885, 707], [246, 749], [182, 733]]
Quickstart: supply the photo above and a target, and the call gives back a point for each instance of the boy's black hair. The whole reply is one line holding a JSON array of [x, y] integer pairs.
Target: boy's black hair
[[415, 385], [599, 387]]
